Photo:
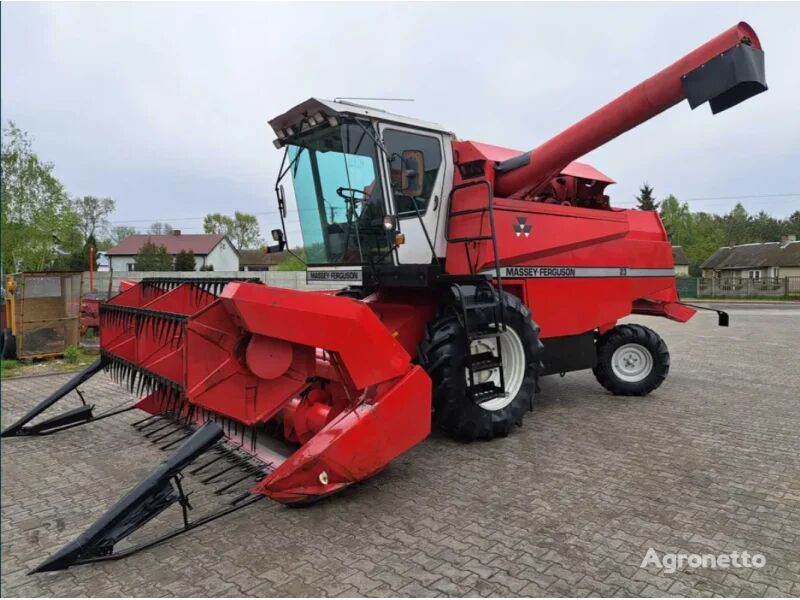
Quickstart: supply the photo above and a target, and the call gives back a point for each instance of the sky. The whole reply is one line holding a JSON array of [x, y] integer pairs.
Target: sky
[[164, 107]]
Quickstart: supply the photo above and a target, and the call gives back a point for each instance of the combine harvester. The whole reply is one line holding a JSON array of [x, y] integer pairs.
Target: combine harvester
[[472, 270]]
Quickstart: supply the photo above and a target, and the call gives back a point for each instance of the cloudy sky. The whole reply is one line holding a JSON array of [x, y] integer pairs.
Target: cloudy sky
[[164, 107]]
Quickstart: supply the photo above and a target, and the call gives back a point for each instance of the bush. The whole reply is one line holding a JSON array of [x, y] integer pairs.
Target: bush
[[152, 258], [184, 261], [72, 355]]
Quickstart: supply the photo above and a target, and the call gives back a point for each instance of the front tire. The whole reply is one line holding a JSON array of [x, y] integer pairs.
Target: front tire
[[632, 360], [443, 354]]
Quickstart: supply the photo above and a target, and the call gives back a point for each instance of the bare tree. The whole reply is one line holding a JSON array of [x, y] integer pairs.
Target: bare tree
[[119, 233], [93, 215], [159, 228]]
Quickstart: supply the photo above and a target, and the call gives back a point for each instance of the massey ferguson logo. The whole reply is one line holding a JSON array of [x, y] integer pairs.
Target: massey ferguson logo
[[522, 227]]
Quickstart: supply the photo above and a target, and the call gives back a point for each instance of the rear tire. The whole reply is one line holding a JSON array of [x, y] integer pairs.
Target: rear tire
[[443, 355], [632, 360]]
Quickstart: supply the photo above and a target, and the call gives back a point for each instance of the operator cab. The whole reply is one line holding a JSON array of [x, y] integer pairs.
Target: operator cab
[[370, 188]]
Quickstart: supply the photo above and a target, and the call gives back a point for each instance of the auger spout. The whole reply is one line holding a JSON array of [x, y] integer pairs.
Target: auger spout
[[724, 71]]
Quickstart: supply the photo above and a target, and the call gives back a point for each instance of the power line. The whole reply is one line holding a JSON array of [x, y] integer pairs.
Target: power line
[[708, 198]]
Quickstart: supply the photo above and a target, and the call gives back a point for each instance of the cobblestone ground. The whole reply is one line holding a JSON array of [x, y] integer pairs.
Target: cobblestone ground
[[568, 505]]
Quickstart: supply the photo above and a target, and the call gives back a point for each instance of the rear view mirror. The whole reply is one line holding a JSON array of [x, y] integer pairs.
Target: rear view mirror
[[281, 201], [413, 168]]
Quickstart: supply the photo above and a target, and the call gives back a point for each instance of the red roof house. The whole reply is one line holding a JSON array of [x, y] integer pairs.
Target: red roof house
[[211, 250]]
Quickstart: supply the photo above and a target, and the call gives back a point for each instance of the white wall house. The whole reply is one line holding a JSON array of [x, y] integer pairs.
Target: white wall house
[[210, 250], [755, 261], [681, 262]]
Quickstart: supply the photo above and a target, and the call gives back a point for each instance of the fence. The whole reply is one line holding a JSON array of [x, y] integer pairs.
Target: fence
[[108, 281], [47, 313], [768, 287]]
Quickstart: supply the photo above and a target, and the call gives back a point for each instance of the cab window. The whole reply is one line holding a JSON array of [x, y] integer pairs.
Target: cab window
[[414, 163]]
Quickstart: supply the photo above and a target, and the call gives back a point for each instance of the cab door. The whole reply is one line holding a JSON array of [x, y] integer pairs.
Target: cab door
[[417, 169]]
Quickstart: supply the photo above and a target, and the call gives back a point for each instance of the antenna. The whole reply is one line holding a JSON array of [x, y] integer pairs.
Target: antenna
[[339, 98]]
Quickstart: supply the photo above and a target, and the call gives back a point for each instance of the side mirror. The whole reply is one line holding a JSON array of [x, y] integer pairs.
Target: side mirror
[[277, 235], [413, 168], [281, 202]]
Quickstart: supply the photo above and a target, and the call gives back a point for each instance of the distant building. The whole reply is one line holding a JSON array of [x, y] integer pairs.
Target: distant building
[[260, 260], [755, 261], [681, 261], [211, 250]]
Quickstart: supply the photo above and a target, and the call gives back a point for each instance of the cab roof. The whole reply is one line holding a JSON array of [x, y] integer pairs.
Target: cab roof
[[334, 108]]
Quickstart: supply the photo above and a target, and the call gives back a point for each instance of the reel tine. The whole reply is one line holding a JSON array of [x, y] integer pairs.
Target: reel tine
[[227, 486], [208, 464], [142, 421], [177, 429], [159, 417], [216, 475], [162, 428], [180, 439]]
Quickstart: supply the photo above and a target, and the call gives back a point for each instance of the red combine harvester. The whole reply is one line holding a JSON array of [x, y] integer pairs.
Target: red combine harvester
[[472, 271]]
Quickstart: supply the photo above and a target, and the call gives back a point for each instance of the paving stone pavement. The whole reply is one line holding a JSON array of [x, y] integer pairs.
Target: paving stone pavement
[[568, 505]]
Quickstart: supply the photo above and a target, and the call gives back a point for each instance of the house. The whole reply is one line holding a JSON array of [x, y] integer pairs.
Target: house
[[260, 260], [681, 262], [755, 261], [212, 251]]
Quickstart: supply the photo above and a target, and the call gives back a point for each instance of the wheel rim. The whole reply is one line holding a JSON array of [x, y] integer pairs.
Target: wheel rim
[[632, 362], [513, 367]]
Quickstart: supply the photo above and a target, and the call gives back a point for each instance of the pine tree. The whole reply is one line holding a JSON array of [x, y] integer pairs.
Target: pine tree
[[184, 261], [646, 199]]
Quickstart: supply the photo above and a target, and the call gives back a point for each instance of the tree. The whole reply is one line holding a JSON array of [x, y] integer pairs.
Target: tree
[[217, 223], [677, 219], [119, 233], [158, 228], [738, 225], [792, 225], [184, 261], [36, 210], [646, 199], [93, 214], [706, 236], [765, 228], [152, 258], [242, 228], [246, 232]]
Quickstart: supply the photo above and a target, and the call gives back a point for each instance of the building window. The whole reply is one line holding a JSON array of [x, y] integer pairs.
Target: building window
[[429, 148], [755, 275], [131, 266]]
